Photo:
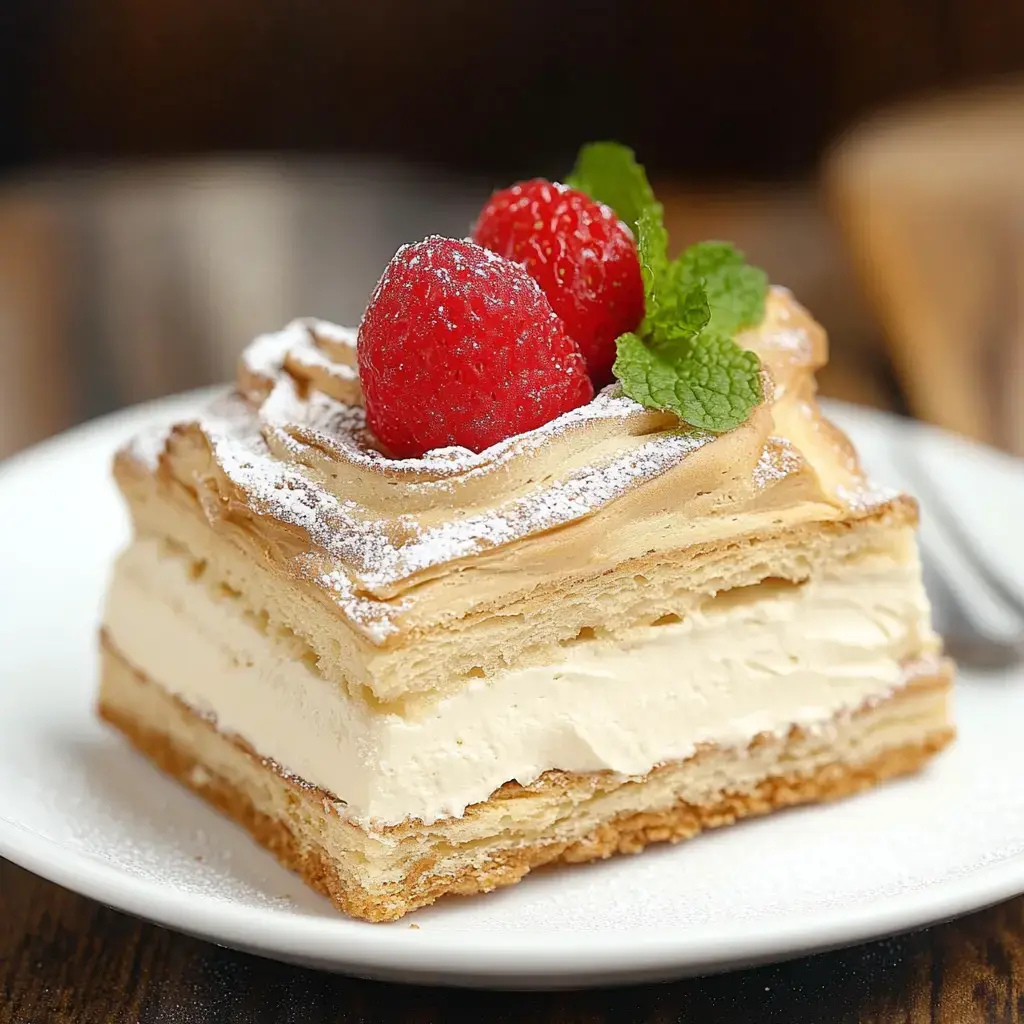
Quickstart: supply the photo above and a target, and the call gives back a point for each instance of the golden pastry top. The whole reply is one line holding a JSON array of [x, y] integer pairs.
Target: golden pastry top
[[285, 459]]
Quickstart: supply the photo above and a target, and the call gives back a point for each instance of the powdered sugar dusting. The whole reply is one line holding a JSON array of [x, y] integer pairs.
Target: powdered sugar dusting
[[580, 494], [275, 488], [148, 445], [456, 462], [334, 333], [310, 356], [358, 554], [866, 497], [779, 459], [795, 340], [357, 547], [338, 423], [265, 355]]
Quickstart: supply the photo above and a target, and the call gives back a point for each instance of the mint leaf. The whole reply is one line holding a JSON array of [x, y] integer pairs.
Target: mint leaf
[[655, 268], [736, 291], [610, 174], [682, 357], [712, 383], [675, 314], [652, 248], [638, 369]]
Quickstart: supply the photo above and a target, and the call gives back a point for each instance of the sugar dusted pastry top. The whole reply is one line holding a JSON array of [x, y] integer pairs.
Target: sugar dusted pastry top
[[285, 460], [449, 467]]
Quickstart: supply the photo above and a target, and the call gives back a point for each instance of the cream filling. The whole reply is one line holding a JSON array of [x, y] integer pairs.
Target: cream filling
[[746, 663]]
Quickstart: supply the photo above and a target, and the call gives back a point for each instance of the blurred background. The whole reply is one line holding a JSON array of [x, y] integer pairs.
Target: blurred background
[[179, 175]]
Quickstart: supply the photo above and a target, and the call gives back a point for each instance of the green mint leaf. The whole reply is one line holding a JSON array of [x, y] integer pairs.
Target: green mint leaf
[[711, 383], [682, 357], [638, 369], [655, 268], [610, 174], [736, 291], [675, 314], [652, 246]]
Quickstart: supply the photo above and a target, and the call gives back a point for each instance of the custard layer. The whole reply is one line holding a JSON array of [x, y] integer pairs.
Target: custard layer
[[749, 661], [379, 875]]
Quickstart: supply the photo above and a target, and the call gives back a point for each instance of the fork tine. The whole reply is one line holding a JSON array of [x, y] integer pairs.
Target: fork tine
[[921, 482]]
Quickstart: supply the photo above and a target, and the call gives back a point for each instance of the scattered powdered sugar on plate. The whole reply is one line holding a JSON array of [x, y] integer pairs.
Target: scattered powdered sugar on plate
[[836, 873]]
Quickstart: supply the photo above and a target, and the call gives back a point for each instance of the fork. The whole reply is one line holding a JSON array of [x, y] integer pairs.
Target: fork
[[965, 641]]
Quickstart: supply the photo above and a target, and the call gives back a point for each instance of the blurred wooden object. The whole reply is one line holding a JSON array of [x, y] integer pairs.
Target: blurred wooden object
[[118, 285], [788, 231], [36, 380], [122, 284], [931, 200]]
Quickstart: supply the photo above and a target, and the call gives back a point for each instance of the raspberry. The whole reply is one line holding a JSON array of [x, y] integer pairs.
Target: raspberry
[[582, 256], [460, 347]]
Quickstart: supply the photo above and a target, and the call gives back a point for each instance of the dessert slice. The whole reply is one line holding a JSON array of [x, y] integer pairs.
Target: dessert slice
[[415, 676]]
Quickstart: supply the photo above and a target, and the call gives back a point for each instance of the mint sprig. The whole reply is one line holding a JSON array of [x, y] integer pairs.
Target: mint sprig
[[736, 291], [610, 174], [712, 384], [683, 357]]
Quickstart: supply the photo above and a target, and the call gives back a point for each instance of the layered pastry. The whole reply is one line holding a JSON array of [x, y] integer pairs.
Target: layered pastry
[[410, 675]]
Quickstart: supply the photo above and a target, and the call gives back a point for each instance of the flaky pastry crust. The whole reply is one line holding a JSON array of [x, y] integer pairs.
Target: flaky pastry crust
[[413, 567]]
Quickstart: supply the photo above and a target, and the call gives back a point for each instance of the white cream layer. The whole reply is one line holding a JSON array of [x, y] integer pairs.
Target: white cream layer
[[744, 665]]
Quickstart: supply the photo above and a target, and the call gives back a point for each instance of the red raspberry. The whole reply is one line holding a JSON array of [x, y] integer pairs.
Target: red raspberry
[[460, 347], [580, 253]]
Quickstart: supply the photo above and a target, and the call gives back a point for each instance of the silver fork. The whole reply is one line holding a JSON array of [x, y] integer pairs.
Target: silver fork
[[965, 640]]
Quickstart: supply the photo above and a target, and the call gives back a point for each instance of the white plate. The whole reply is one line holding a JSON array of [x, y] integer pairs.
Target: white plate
[[78, 807]]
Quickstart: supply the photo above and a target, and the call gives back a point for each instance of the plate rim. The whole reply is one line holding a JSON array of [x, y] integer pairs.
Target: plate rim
[[600, 954], [598, 957]]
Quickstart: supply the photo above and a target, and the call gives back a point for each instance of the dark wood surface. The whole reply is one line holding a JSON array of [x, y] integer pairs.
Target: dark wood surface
[[67, 960]]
